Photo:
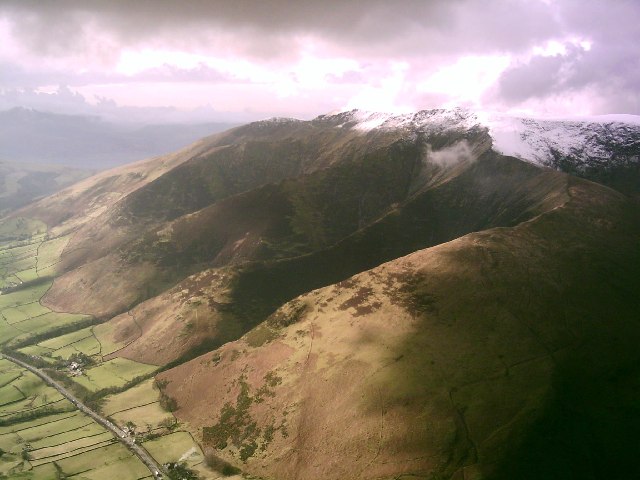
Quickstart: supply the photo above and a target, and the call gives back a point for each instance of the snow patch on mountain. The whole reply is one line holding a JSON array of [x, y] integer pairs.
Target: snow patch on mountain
[[586, 141], [580, 141]]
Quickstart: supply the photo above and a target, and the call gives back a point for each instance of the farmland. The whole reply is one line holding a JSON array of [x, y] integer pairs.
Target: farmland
[[27, 263], [114, 373], [139, 405], [42, 434]]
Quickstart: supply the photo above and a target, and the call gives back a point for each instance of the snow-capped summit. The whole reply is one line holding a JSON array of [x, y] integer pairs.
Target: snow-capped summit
[[576, 145]]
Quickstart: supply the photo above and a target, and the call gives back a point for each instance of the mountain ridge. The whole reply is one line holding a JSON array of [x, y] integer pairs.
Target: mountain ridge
[[401, 277]]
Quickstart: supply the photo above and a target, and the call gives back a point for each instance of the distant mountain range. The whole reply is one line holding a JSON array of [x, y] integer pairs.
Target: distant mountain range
[[89, 142], [437, 295]]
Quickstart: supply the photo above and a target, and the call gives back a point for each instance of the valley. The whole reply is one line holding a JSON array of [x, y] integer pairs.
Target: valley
[[347, 297], [46, 430]]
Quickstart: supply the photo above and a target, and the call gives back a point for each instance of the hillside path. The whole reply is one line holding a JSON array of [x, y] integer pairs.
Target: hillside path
[[155, 468]]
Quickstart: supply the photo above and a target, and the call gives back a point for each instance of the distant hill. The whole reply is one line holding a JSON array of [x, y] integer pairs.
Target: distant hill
[[22, 183], [89, 142]]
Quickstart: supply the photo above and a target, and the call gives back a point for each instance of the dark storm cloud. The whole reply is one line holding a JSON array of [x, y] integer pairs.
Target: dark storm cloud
[[269, 27], [424, 34]]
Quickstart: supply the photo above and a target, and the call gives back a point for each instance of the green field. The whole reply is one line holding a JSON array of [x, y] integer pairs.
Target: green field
[[16, 231], [79, 341], [26, 267], [32, 439], [175, 447], [107, 463], [114, 373], [49, 255], [42, 435], [138, 405], [105, 333]]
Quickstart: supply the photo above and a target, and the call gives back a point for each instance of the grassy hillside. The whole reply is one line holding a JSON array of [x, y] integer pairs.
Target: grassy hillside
[[498, 341], [246, 232], [508, 353]]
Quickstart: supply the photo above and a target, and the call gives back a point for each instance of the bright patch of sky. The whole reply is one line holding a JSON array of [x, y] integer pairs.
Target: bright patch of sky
[[306, 58]]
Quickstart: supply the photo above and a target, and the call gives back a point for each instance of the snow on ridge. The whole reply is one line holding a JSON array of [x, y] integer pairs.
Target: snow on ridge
[[582, 141], [539, 140], [279, 120], [441, 119]]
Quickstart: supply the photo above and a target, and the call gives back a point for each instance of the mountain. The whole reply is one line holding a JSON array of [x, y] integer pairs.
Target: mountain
[[364, 295], [21, 184], [89, 142], [602, 148]]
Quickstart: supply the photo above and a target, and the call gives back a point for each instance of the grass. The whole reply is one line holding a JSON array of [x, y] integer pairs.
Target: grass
[[146, 417], [28, 383], [65, 340], [178, 446], [27, 275], [49, 254], [35, 350], [76, 443], [16, 230], [13, 315], [47, 322], [8, 377], [37, 422], [106, 463], [104, 333], [139, 404], [24, 330], [71, 445], [89, 346], [34, 309], [44, 472], [63, 453], [9, 394], [114, 373], [49, 426], [90, 430], [23, 296], [35, 395], [141, 394]]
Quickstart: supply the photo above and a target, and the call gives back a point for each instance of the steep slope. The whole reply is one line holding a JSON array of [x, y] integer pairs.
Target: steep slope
[[508, 353], [491, 191], [136, 234], [502, 346], [116, 241], [312, 201], [603, 148]]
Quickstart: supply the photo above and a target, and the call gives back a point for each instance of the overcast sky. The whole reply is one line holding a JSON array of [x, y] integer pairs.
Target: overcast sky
[[241, 59]]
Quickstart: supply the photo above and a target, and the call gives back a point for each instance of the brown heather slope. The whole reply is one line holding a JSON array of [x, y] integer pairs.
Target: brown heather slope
[[87, 200], [214, 169], [138, 248], [509, 353], [470, 196]]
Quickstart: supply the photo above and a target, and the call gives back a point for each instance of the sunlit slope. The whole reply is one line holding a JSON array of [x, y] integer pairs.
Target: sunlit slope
[[508, 353], [219, 304], [238, 194]]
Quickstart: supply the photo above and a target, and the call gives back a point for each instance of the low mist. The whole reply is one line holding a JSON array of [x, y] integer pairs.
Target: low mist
[[450, 156]]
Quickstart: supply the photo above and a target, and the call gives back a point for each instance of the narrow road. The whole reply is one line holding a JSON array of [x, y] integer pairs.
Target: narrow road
[[141, 453]]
